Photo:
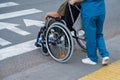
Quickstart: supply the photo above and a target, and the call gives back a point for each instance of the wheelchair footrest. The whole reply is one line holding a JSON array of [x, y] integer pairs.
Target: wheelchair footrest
[[37, 45]]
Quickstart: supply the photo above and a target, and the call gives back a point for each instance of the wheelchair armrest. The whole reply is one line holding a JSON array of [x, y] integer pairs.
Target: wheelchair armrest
[[55, 18]]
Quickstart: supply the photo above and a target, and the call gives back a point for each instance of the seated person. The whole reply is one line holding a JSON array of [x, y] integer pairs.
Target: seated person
[[68, 11]]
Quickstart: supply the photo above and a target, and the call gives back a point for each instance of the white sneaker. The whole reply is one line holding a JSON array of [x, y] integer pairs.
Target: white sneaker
[[88, 61], [105, 60]]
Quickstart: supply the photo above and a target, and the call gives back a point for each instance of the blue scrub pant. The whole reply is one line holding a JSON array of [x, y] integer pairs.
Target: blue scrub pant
[[93, 27]]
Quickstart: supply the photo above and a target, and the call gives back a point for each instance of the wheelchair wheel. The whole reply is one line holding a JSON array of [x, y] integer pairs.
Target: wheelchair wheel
[[44, 50], [59, 42], [81, 40]]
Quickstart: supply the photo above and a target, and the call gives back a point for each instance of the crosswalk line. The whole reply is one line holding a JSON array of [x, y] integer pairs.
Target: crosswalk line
[[19, 13], [29, 22], [11, 27], [17, 49], [8, 4], [4, 42]]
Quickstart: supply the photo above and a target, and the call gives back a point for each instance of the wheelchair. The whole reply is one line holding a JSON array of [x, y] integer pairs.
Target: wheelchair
[[56, 40]]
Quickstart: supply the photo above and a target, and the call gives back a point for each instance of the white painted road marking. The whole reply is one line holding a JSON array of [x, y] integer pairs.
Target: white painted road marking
[[22, 47], [19, 13], [4, 42], [29, 22], [17, 49], [12, 27], [8, 4]]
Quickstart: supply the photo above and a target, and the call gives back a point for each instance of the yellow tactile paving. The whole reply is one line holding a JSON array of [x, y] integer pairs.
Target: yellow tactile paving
[[110, 72]]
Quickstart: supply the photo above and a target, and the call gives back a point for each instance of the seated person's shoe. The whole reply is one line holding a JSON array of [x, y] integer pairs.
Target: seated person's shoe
[[37, 45], [88, 61], [105, 60], [39, 42]]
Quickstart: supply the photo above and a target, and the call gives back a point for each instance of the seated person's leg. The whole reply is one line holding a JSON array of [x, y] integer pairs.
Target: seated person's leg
[[67, 16]]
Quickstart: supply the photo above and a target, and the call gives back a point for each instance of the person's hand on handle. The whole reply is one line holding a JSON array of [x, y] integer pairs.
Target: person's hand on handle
[[72, 2]]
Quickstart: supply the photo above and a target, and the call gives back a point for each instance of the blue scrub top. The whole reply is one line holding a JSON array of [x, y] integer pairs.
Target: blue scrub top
[[93, 7]]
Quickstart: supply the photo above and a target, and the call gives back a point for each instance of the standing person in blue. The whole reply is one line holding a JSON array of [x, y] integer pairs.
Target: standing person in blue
[[93, 15]]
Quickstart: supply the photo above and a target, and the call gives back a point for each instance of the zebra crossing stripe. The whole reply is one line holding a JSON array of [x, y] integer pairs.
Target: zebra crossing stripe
[[12, 28], [4, 42], [29, 22], [8, 4], [19, 13], [17, 49]]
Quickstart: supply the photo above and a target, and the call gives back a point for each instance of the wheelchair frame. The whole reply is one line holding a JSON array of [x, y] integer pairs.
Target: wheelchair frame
[[60, 48]]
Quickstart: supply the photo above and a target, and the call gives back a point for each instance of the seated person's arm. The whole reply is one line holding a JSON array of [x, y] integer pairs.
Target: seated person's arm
[[58, 13], [52, 14], [61, 11]]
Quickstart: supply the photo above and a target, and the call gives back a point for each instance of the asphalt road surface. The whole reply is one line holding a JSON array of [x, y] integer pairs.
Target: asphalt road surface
[[20, 21]]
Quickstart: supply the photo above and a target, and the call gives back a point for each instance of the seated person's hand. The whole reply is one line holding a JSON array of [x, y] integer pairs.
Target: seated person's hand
[[52, 14]]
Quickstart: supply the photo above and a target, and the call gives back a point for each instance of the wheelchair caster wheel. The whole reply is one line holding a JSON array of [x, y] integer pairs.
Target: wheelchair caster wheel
[[44, 51]]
